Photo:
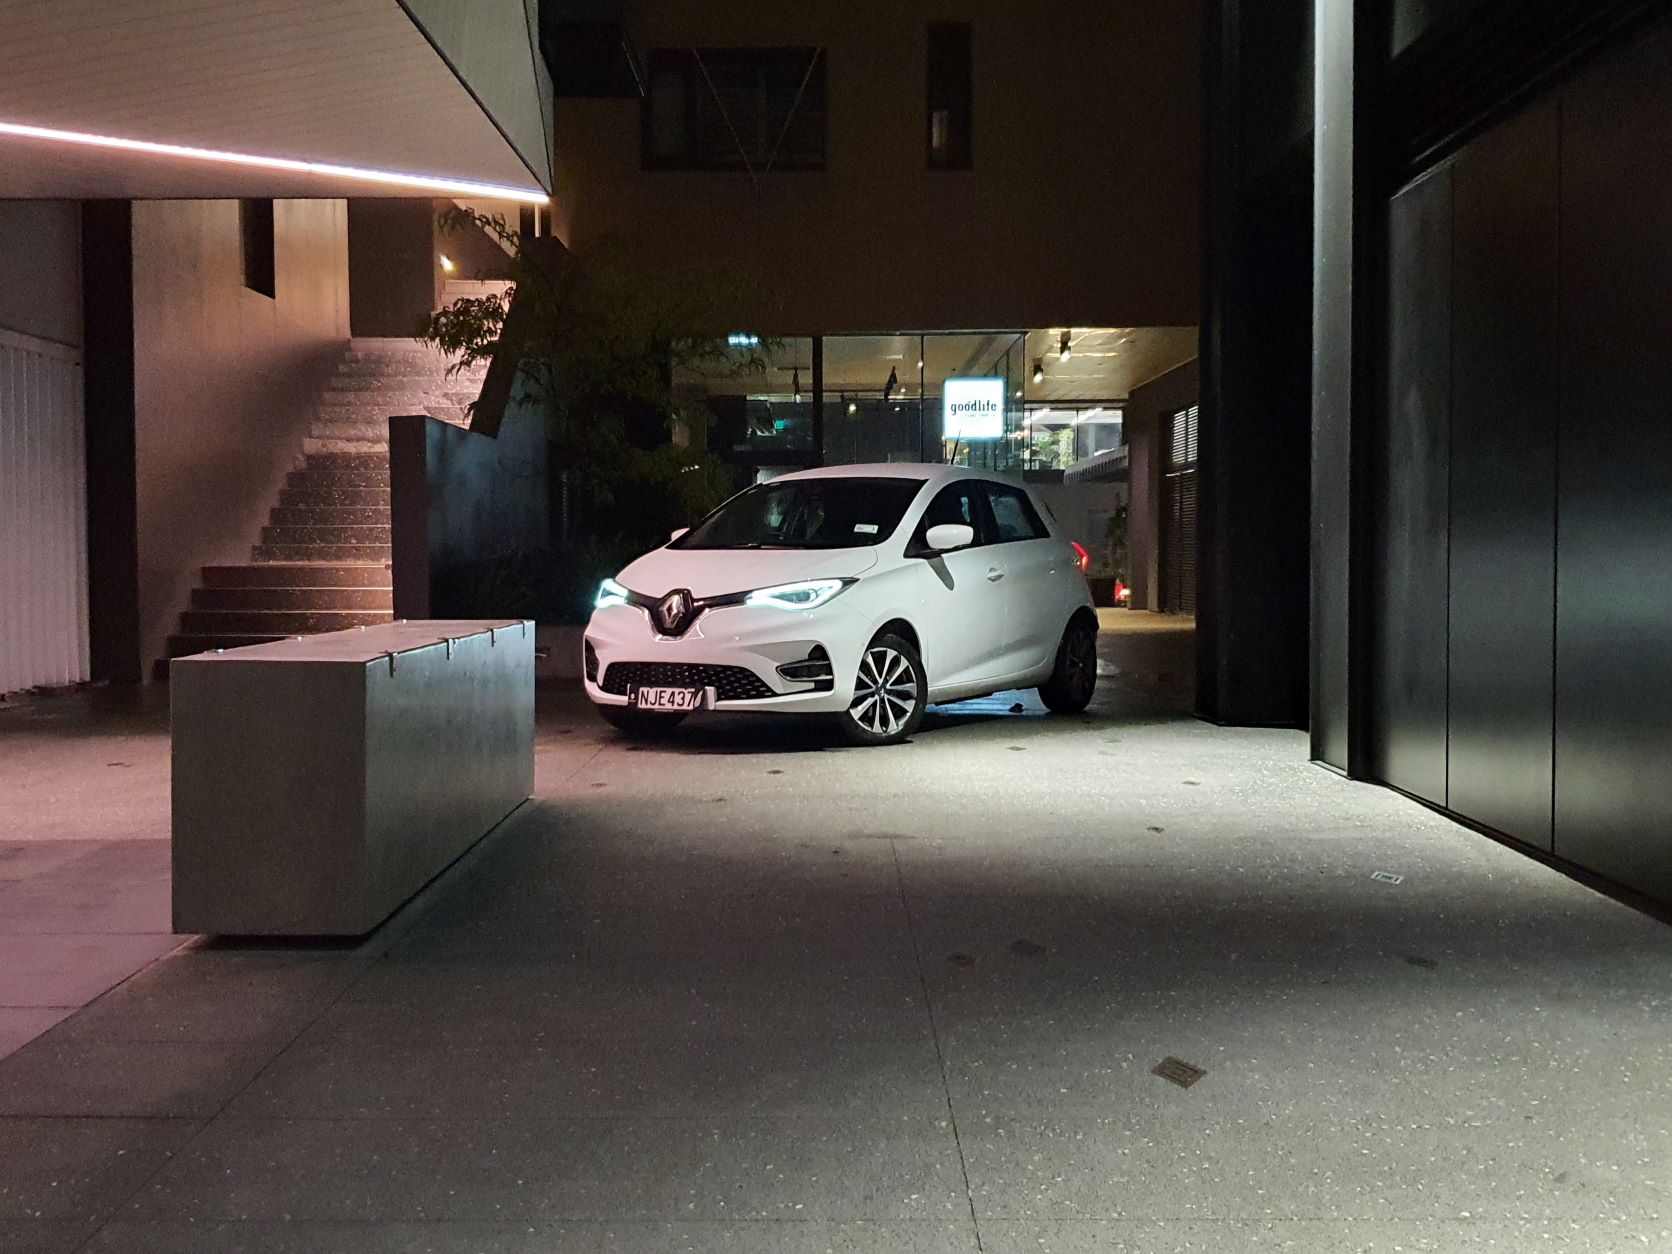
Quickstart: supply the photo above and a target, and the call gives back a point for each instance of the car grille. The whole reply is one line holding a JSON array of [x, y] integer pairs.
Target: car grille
[[730, 683]]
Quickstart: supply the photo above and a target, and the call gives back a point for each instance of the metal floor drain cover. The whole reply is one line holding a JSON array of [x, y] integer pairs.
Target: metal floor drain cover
[[1427, 964], [1387, 877], [960, 960], [1026, 949], [1178, 1072]]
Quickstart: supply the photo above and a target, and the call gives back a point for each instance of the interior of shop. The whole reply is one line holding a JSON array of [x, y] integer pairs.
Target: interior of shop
[[1050, 404]]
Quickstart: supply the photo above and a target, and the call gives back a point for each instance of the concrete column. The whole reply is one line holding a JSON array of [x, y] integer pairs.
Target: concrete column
[[1256, 367]]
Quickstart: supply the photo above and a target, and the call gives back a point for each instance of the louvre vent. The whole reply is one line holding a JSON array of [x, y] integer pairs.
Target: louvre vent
[[1463, 74]]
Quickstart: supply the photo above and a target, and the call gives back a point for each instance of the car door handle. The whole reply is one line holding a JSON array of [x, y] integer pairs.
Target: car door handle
[[994, 574]]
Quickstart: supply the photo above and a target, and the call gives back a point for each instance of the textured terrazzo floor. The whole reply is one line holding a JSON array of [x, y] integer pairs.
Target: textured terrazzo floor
[[753, 991]]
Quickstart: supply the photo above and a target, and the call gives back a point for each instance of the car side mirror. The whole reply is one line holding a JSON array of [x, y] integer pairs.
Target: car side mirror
[[677, 532], [948, 536]]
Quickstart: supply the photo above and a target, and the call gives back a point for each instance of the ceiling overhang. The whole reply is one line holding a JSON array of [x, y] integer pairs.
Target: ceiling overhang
[[195, 99]]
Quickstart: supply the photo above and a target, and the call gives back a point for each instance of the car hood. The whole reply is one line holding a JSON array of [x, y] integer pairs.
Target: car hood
[[717, 572]]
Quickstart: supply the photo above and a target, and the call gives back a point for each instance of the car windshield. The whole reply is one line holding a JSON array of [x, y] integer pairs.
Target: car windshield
[[822, 513]]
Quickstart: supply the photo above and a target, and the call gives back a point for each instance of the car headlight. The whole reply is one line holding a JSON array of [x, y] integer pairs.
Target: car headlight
[[609, 593], [798, 596]]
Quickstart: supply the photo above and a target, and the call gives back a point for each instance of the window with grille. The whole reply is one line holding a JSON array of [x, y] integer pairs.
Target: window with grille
[[1183, 451], [746, 109], [1179, 513]]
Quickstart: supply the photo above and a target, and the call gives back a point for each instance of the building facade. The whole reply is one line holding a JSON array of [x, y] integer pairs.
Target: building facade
[[175, 279]]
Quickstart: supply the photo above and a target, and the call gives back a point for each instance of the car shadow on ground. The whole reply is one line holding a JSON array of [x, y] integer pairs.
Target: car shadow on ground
[[1010, 715]]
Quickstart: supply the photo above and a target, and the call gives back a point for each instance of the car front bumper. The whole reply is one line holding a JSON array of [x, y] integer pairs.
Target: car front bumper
[[757, 639]]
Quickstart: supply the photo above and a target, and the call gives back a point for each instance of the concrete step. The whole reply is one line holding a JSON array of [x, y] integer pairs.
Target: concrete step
[[403, 365], [380, 599], [342, 470], [376, 384], [361, 534], [330, 411], [329, 516], [387, 344], [297, 574], [364, 419], [343, 444], [330, 429], [361, 553], [308, 498], [277, 622], [406, 394], [184, 645]]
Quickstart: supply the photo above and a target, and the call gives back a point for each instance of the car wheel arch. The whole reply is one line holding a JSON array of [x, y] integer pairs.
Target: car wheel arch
[[901, 627]]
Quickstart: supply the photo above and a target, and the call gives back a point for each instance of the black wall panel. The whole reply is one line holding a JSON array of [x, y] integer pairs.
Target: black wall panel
[[1614, 537], [1503, 475], [1407, 728], [107, 281]]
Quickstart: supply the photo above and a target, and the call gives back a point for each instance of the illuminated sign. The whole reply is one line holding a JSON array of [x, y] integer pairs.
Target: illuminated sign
[[973, 409]]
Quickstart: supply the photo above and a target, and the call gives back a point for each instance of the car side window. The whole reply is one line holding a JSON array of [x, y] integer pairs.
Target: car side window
[[955, 503], [1014, 514]]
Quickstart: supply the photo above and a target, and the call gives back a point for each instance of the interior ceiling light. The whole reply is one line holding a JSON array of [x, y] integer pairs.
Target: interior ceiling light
[[447, 266], [325, 169], [1039, 370], [1065, 350]]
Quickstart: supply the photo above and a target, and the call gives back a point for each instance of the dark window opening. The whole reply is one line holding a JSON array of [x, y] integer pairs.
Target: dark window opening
[[754, 109], [951, 97], [255, 229], [1014, 515], [957, 504]]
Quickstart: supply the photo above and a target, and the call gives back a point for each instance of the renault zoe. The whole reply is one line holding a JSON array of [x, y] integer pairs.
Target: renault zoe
[[866, 593]]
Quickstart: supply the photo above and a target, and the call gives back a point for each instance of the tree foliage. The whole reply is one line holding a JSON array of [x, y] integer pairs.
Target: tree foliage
[[601, 338]]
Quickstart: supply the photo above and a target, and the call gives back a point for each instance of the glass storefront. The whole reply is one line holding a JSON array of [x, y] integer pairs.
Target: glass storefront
[[1045, 399], [1057, 436]]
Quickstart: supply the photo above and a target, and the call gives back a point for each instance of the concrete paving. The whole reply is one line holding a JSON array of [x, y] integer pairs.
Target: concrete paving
[[750, 990], [83, 852]]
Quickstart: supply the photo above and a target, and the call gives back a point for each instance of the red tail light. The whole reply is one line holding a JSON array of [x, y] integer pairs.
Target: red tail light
[[1122, 592], [1082, 559]]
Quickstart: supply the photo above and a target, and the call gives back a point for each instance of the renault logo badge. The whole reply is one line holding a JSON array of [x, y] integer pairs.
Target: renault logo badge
[[673, 612]]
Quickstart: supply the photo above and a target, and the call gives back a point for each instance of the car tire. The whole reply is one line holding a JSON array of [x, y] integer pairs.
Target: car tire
[[891, 692], [1074, 676], [643, 724]]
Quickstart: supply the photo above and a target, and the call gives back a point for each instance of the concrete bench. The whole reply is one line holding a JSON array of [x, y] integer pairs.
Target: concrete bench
[[319, 782]]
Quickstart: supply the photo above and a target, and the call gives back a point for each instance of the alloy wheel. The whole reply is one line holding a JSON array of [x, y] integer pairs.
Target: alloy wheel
[[1081, 664], [885, 697]]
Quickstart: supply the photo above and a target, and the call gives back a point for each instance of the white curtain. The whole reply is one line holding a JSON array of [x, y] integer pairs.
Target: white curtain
[[43, 515]]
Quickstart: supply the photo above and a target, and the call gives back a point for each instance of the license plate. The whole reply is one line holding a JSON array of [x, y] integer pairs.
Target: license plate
[[665, 699]]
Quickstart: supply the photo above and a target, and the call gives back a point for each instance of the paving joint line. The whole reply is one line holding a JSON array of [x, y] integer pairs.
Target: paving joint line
[[934, 1033], [418, 904]]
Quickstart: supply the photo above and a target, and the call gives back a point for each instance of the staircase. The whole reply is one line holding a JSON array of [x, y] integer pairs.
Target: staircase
[[323, 560]]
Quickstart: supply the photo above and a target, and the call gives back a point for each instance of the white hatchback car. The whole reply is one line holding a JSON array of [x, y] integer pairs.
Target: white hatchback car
[[863, 592]]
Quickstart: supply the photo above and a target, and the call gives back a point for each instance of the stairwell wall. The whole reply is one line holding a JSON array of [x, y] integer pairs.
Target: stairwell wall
[[225, 382]]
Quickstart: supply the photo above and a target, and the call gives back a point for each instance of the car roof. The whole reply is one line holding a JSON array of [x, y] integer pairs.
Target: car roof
[[933, 472]]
